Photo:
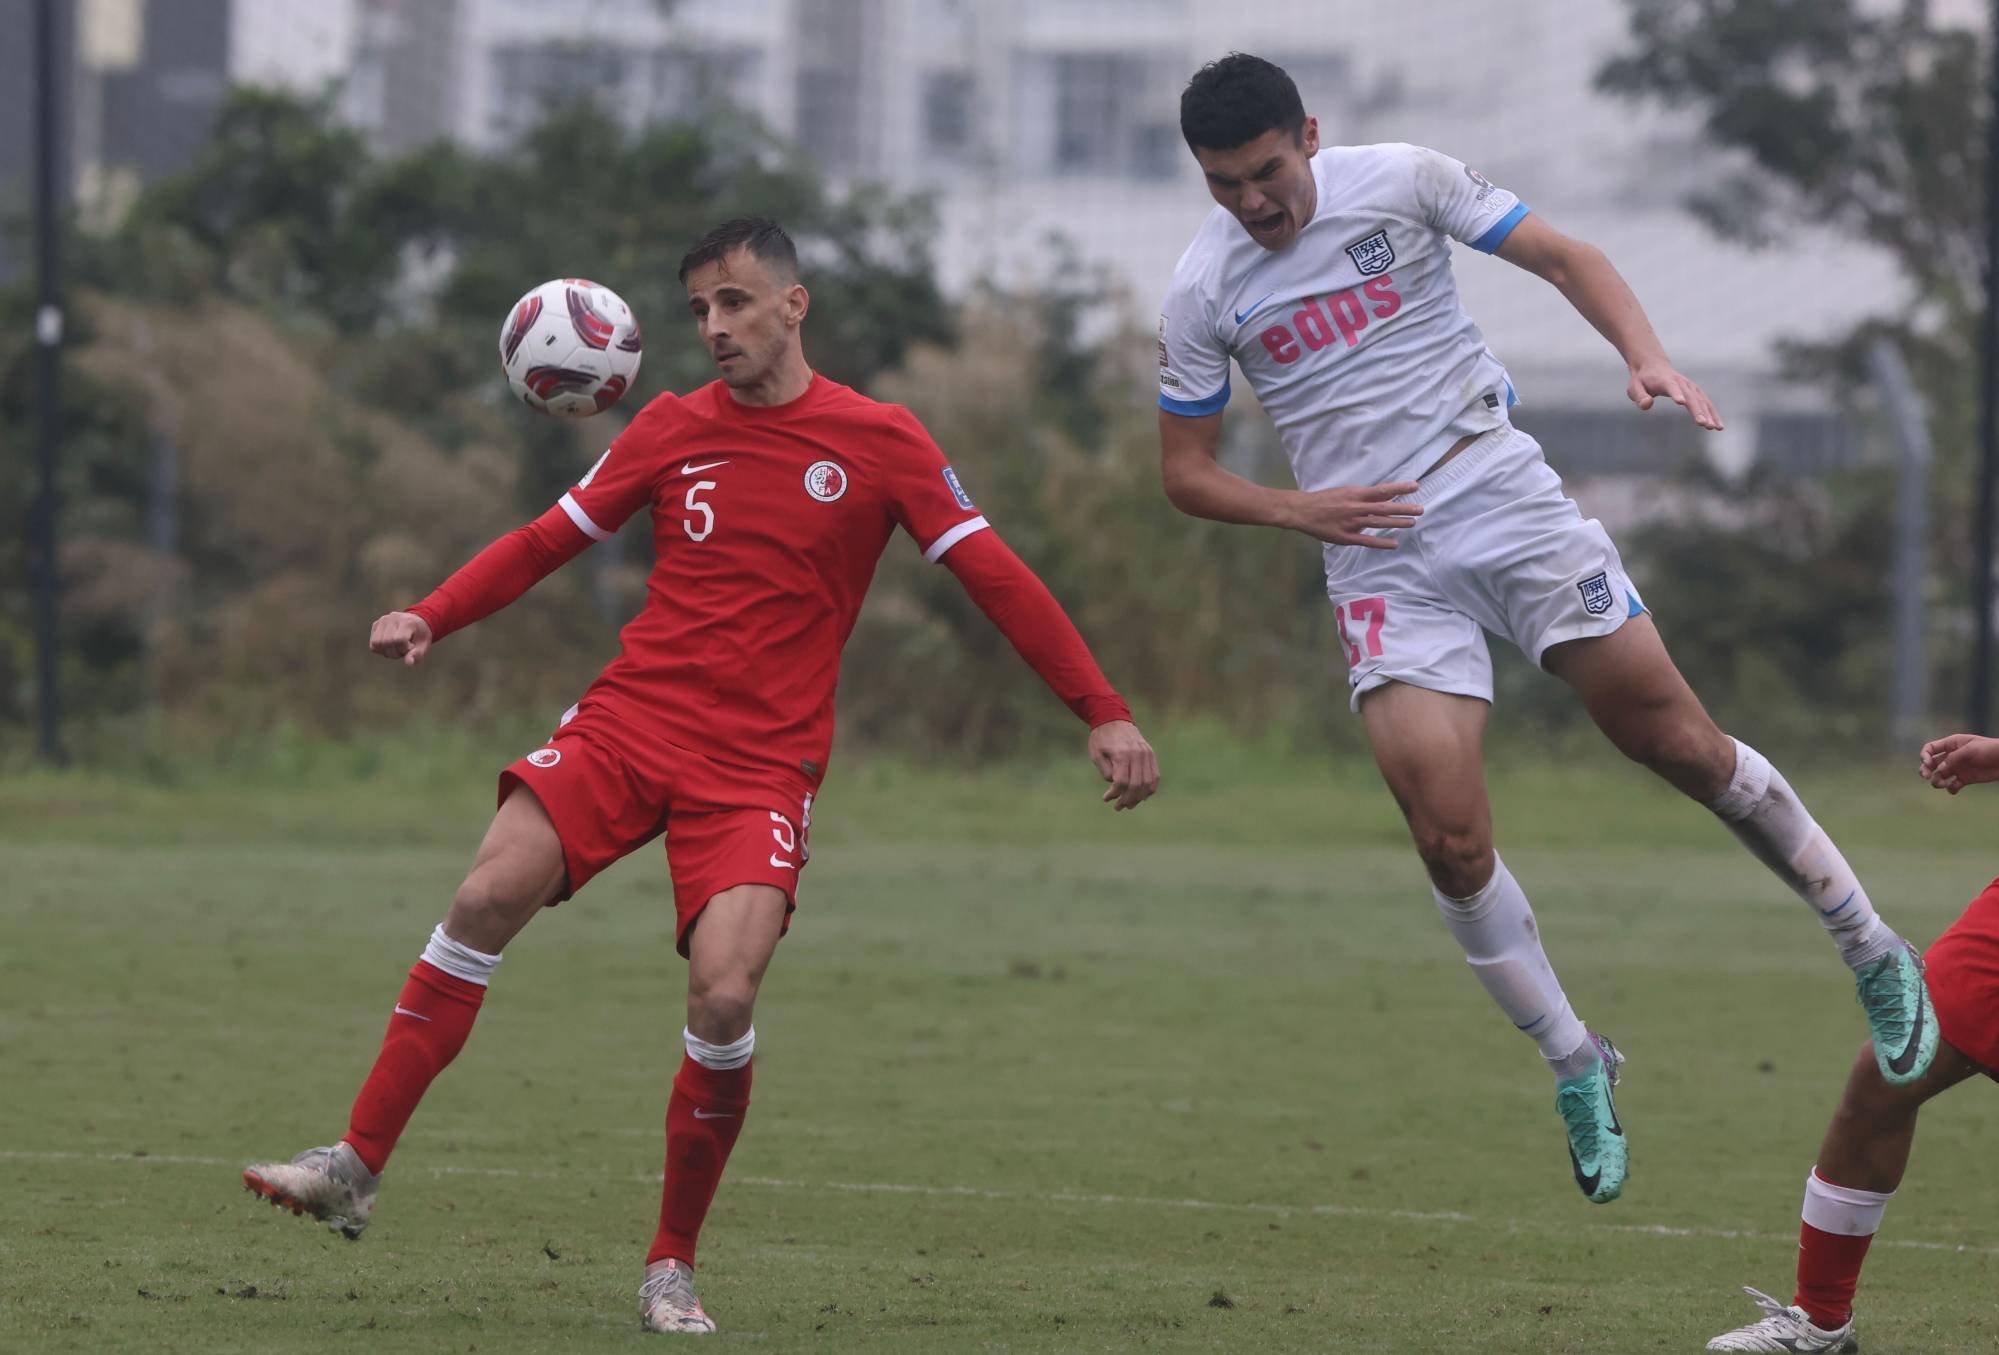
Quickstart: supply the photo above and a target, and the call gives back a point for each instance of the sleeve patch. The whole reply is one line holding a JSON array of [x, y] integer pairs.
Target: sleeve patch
[[957, 490]]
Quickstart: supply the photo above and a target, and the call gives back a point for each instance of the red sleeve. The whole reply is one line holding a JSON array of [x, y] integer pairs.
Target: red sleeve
[[923, 490], [502, 572], [622, 481], [1034, 622]]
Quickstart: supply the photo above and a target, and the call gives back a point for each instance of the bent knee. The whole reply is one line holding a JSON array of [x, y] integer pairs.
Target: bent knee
[[1459, 859], [1678, 745], [481, 907], [720, 1008]]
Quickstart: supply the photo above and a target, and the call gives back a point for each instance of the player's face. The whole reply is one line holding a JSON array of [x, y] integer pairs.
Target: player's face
[[1267, 183], [748, 316]]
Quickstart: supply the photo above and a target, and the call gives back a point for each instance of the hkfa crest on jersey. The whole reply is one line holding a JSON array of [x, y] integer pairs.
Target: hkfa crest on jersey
[[1372, 255], [1596, 594], [825, 481]]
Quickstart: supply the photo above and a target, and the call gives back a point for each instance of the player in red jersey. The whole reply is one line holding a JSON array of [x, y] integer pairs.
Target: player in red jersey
[[773, 492], [1866, 1148]]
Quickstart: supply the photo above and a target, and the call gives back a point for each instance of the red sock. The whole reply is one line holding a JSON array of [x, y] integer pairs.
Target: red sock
[[433, 1016], [703, 1117], [1828, 1273]]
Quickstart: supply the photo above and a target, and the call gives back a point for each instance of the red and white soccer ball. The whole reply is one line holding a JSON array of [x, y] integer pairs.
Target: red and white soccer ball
[[570, 347]]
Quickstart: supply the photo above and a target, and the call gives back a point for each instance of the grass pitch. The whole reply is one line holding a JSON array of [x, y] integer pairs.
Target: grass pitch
[[1030, 1077]]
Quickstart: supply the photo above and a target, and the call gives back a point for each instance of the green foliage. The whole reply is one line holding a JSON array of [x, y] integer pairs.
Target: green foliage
[[311, 328]]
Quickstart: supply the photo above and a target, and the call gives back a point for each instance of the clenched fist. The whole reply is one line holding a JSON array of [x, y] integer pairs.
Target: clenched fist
[[400, 635]]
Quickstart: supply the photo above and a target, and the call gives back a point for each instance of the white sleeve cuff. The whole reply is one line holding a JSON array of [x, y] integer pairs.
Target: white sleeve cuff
[[953, 537], [582, 520]]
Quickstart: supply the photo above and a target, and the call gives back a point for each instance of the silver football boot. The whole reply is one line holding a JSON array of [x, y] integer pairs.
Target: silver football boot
[[331, 1184], [667, 1302]]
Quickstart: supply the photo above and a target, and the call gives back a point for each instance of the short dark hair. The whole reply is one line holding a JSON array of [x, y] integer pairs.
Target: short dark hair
[[758, 234], [1237, 99]]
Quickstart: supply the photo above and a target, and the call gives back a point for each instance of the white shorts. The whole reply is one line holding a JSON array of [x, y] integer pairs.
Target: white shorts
[[1499, 548]]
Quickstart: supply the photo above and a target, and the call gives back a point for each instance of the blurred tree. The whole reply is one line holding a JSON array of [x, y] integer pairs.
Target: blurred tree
[[312, 329], [1864, 117], [1868, 119]]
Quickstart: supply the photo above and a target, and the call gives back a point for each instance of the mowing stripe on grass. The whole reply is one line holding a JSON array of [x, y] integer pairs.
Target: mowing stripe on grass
[[1030, 1197]]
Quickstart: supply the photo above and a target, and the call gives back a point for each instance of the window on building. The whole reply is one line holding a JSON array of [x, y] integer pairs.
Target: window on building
[[1808, 443], [1112, 115], [947, 110], [1609, 441], [530, 79], [829, 117]]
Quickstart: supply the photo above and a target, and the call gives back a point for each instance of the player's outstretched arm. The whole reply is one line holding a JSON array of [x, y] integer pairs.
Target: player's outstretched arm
[[1958, 760], [489, 581], [1197, 485], [1007, 591], [1592, 284]]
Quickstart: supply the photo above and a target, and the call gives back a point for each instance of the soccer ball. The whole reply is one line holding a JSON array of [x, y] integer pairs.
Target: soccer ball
[[570, 347]]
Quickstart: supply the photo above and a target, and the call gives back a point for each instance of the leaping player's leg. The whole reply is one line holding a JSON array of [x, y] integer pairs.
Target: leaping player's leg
[[1639, 699], [728, 950], [1429, 747], [518, 869], [1860, 1166]]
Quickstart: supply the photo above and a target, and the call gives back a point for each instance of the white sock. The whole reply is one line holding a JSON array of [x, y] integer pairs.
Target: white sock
[[459, 960], [1495, 927], [720, 1057], [1843, 1209], [1760, 807]]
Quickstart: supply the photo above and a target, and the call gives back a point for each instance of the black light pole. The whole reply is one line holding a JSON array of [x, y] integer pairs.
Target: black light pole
[[48, 378]]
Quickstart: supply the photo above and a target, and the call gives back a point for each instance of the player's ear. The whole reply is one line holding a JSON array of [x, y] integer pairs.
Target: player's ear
[[1309, 137], [796, 302]]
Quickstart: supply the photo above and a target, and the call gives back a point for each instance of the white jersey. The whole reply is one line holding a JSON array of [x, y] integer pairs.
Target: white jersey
[[1352, 336]]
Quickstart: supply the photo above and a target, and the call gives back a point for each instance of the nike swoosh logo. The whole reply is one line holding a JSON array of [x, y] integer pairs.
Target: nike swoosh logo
[[701, 1114], [1588, 1183], [1906, 1060], [781, 863], [689, 468], [401, 1010], [1241, 316]]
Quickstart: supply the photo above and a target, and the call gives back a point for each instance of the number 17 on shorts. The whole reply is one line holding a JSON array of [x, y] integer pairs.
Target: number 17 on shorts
[[1412, 640], [1360, 621]]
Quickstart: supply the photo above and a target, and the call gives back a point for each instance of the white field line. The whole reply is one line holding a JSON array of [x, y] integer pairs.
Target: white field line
[[1344, 1211]]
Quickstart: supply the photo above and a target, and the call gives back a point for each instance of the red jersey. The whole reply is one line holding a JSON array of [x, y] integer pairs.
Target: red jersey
[[767, 525]]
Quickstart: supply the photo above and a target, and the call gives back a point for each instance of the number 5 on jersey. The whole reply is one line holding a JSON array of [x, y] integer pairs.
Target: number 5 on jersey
[[696, 504], [1372, 611]]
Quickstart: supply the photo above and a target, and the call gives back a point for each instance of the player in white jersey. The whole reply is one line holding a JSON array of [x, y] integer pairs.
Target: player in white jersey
[[1326, 276]]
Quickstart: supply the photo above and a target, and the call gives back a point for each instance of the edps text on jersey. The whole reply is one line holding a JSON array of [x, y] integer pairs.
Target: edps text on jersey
[[1339, 317]]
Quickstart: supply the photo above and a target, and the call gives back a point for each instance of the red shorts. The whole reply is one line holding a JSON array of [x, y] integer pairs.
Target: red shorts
[[610, 789], [1963, 975]]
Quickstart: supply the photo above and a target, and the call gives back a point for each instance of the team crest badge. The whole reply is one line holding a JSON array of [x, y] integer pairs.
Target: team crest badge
[[1596, 594], [825, 481], [1372, 255], [544, 757]]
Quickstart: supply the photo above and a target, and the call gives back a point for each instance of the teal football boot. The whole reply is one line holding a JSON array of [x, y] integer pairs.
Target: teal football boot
[[1899, 1014], [1597, 1150]]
